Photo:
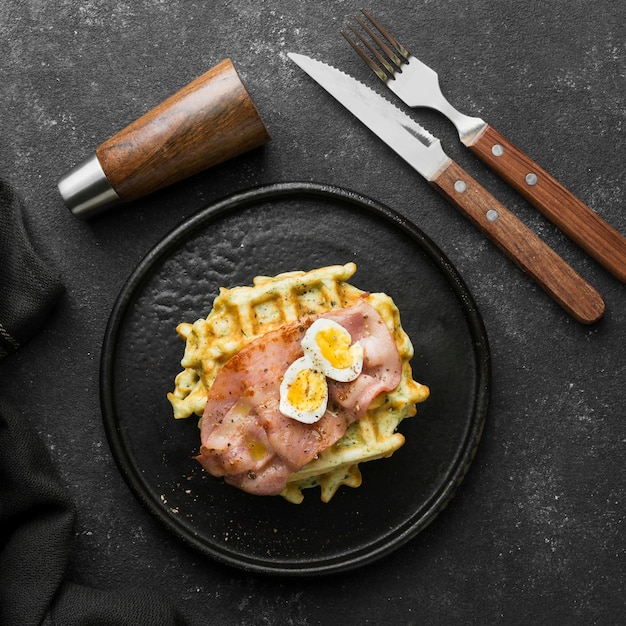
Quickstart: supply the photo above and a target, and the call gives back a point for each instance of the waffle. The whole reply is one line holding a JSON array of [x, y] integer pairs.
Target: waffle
[[242, 314]]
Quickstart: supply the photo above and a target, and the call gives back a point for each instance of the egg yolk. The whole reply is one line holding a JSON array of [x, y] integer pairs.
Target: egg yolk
[[334, 346], [307, 391]]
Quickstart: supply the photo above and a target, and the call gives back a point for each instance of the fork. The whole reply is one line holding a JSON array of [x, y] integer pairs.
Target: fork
[[418, 86]]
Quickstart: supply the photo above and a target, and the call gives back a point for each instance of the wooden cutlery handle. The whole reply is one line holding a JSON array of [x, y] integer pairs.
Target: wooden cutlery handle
[[599, 239], [521, 244], [210, 120]]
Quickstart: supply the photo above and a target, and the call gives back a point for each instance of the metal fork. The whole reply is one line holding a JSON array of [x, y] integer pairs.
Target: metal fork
[[418, 86], [411, 80]]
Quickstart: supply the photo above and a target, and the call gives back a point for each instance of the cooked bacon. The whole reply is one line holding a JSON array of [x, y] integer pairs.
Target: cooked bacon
[[244, 436]]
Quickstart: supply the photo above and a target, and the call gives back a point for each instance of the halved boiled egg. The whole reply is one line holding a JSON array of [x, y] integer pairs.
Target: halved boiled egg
[[329, 346], [303, 392]]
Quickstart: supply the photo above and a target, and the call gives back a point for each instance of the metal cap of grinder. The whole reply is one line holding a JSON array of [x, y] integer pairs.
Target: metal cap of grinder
[[210, 120]]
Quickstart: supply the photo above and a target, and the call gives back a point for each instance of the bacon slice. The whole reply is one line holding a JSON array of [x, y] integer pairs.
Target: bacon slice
[[244, 436]]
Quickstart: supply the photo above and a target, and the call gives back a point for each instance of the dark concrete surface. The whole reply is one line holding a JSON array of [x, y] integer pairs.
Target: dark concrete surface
[[535, 534]]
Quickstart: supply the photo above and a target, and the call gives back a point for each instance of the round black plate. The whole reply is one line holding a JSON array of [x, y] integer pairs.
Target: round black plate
[[265, 231]]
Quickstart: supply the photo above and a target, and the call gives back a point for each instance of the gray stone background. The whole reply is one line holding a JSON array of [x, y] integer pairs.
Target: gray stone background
[[535, 534]]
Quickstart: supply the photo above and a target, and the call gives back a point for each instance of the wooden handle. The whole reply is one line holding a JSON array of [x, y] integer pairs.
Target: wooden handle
[[521, 244], [595, 236], [209, 121]]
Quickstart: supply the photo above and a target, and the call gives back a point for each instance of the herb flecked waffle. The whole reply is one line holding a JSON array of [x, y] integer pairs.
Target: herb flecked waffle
[[242, 314]]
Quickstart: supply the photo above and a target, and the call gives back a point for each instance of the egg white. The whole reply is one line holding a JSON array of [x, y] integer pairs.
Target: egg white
[[314, 399], [354, 351]]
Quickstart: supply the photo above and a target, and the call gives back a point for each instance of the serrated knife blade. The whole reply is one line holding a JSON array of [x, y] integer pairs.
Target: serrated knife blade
[[424, 153], [411, 141]]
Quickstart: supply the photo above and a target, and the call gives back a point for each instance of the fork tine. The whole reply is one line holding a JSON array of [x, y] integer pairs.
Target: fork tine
[[387, 71], [380, 43], [370, 62], [387, 35]]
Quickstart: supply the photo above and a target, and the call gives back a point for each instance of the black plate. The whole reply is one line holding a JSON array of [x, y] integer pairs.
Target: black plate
[[266, 231]]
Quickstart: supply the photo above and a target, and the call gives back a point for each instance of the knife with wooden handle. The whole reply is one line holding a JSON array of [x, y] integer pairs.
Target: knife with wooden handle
[[417, 85], [520, 244], [425, 154]]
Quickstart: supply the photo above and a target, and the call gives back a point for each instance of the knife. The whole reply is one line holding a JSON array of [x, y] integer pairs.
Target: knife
[[424, 153], [417, 85]]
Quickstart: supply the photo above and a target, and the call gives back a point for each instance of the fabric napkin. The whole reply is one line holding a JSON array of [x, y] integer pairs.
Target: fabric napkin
[[37, 529], [29, 287], [36, 514]]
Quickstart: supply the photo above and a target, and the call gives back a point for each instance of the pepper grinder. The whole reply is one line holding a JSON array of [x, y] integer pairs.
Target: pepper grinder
[[210, 120]]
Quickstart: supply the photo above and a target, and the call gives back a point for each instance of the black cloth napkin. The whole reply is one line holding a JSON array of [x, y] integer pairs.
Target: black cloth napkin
[[29, 287], [36, 514], [37, 522]]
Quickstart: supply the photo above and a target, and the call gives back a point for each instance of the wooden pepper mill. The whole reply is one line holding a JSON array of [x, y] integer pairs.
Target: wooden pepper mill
[[209, 121]]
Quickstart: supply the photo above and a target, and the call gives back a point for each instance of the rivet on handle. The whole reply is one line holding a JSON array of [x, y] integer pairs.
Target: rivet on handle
[[531, 179], [497, 150]]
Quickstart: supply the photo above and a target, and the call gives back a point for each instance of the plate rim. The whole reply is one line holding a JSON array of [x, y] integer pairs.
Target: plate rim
[[244, 199]]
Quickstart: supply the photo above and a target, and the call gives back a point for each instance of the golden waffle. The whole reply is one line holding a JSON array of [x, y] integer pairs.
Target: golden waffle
[[242, 314]]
